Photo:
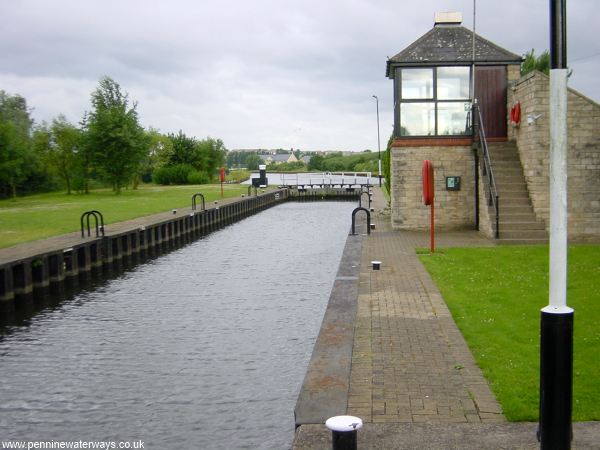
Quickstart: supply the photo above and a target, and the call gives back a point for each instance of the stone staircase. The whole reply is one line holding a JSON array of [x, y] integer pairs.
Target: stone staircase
[[518, 224]]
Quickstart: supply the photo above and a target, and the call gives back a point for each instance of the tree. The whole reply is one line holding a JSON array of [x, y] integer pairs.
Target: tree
[[160, 148], [113, 136], [233, 159], [59, 146], [253, 161], [184, 150], [160, 151], [316, 162], [16, 157], [297, 166], [211, 155], [219, 152], [204, 156], [531, 62]]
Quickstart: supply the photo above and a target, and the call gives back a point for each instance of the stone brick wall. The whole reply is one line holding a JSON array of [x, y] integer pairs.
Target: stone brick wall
[[533, 141], [513, 72], [454, 209]]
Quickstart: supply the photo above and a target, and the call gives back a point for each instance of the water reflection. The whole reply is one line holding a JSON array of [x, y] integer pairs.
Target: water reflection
[[205, 347]]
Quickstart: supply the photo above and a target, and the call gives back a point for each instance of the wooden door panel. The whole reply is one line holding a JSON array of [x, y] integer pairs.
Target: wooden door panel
[[490, 91]]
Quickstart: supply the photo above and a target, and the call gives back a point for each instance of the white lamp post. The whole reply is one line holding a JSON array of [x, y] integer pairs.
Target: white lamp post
[[378, 140], [556, 337]]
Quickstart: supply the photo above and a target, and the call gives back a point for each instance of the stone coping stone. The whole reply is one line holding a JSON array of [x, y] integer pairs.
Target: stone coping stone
[[449, 436], [324, 392]]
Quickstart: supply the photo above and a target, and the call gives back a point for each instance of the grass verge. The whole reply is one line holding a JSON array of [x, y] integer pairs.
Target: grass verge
[[40, 216], [495, 296]]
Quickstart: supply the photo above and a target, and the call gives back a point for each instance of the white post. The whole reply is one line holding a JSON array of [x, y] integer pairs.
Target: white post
[[556, 336], [558, 192]]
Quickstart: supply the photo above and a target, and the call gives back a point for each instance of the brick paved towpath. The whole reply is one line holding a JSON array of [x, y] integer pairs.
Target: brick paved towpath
[[409, 361], [413, 380]]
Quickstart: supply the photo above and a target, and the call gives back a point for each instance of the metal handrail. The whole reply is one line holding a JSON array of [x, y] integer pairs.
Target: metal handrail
[[194, 201], [494, 199], [97, 215], [360, 208]]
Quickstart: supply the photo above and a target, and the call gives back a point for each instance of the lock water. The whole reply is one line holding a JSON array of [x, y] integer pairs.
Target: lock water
[[202, 348]]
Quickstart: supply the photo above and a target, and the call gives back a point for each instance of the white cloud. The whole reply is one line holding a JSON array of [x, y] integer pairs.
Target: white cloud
[[267, 73]]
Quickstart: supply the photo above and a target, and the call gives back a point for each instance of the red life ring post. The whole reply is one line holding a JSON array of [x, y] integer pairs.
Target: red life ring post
[[222, 178], [429, 197]]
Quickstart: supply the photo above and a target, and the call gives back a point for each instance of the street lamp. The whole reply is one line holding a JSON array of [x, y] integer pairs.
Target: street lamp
[[378, 139]]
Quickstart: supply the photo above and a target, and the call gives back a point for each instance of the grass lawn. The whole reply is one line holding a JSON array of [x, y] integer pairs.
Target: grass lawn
[[44, 215], [495, 295]]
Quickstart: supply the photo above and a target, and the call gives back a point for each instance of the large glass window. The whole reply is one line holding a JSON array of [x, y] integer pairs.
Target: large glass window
[[452, 118], [433, 101], [417, 83], [417, 119], [453, 83]]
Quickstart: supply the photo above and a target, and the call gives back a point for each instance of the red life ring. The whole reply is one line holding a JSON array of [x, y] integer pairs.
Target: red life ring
[[515, 114], [428, 182]]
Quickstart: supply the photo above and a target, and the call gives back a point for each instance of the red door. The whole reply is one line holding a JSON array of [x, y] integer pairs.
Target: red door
[[490, 92]]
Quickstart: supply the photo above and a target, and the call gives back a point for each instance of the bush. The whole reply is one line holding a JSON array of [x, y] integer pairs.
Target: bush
[[78, 183], [177, 174], [161, 176], [369, 166], [237, 176], [298, 166], [196, 177]]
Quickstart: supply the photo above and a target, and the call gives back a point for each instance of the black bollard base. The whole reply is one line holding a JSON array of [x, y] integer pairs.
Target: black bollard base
[[344, 440], [344, 432], [556, 378]]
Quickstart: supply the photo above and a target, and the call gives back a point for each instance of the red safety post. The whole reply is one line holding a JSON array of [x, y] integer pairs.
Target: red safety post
[[428, 197], [222, 177]]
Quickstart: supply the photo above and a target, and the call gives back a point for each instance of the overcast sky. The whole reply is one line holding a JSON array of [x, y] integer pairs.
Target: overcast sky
[[259, 73]]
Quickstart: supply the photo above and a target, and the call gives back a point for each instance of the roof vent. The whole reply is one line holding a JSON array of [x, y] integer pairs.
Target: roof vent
[[448, 18]]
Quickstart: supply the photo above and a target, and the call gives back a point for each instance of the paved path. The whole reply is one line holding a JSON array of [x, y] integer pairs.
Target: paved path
[[409, 362], [413, 380]]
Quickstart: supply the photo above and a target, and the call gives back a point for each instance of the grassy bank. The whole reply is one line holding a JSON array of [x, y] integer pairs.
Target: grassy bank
[[44, 215], [495, 295]]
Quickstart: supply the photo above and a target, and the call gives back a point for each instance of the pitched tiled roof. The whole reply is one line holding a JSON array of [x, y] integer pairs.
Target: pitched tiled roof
[[452, 44]]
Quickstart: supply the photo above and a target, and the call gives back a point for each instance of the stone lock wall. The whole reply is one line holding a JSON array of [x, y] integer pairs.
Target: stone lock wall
[[583, 160], [454, 209]]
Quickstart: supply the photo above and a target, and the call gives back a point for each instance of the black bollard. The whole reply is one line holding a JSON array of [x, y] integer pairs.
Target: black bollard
[[556, 379], [344, 432]]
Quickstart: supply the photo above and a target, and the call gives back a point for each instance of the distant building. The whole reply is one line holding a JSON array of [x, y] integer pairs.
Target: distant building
[[280, 158]]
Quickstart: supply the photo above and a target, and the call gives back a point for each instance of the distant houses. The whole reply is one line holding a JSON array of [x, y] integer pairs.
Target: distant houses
[[238, 157], [279, 158], [296, 160]]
